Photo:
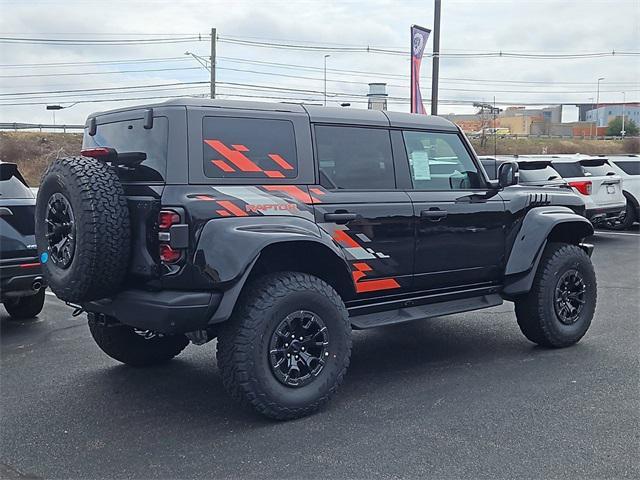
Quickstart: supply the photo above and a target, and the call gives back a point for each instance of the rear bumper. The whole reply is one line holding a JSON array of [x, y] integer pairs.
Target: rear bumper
[[19, 277], [166, 311], [604, 214]]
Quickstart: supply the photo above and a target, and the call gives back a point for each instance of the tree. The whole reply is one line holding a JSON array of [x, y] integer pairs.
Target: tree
[[615, 127]]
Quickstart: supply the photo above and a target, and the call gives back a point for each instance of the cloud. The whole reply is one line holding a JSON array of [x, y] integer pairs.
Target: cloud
[[541, 26]]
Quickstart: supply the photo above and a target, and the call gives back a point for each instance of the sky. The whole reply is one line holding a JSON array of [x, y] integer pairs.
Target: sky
[[247, 69]]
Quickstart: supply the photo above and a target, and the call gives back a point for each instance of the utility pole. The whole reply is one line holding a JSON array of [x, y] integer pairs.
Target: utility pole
[[598, 106], [591, 123], [436, 58], [213, 63], [624, 100]]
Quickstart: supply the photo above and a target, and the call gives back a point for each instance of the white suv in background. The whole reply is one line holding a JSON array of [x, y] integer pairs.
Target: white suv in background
[[628, 167], [597, 182]]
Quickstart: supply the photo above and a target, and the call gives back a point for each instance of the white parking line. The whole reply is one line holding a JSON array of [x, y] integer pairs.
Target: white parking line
[[600, 232], [47, 292]]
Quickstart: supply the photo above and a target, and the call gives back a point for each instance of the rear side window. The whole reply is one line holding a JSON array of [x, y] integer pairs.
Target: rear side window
[[439, 161], [131, 136], [629, 167], [354, 158], [598, 169], [249, 148], [537, 173], [568, 169]]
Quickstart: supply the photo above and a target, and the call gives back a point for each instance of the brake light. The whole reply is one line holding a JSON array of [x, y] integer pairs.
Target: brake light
[[166, 218], [103, 153], [168, 254], [583, 186]]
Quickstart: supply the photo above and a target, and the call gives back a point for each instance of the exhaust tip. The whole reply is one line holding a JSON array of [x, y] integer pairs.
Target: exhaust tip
[[36, 285]]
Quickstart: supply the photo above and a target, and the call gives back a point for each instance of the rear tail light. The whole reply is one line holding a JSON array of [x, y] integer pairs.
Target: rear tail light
[[167, 219], [583, 186], [168, 254], [101, 153]]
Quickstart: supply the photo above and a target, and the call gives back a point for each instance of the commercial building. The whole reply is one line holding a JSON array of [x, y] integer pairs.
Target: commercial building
[[606, 112]]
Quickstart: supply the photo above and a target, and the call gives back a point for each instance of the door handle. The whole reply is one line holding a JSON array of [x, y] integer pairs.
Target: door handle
[[433, 215], [340, 218]]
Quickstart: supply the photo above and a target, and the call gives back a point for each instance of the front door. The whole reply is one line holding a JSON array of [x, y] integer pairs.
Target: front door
[[358, 204], [460, 236]]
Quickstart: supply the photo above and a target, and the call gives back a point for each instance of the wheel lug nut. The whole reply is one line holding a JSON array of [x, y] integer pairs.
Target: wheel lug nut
[[286, 344], [297, 357], [288, 354], [326, 354], [293, 336], [302, 349], [300, 338]]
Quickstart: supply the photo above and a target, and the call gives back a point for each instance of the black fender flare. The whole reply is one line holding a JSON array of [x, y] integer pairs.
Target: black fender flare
[[228, 248], [531, 239]]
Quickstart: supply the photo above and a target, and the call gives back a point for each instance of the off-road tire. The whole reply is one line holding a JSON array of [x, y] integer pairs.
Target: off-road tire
[[630, 216], [122, 343], [25, 307], [243, 344], [102, 230], [535, 311]]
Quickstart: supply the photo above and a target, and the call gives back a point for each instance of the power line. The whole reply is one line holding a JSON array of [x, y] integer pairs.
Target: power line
[[101, 73], [100, 89], [97, 62], [68, 41]]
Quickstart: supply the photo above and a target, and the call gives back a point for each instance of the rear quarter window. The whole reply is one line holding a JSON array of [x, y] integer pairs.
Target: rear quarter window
[[598, 170], [629, 167], [249, 148], [568, 169]]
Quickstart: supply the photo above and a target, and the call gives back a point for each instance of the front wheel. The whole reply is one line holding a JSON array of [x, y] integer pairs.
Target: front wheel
[[558, 309], [25, 307], [287, 346]]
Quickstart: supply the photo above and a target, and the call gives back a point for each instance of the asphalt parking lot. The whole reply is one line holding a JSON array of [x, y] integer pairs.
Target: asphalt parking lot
[[465, 396]]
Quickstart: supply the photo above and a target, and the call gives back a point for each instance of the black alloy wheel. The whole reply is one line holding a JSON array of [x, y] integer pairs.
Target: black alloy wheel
[[60, 230], [298, 348], [569, 296]]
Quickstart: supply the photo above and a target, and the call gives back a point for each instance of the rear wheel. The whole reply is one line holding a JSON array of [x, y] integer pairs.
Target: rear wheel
[[558, 309], [138, 348], [625, 222], [25, 307], [287, 346]]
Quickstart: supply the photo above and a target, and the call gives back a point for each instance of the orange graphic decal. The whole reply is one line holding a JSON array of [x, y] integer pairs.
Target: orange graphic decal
[[234, 209], [234, 156], [205, 197], [222, 166], [292, 190], [240, 148], [370, 285], [344, 240], [317, 191], [273, 174], [223, 213], [280, 161]]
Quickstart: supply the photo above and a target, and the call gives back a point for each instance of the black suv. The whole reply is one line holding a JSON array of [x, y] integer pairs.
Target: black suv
[[22, 288], [277, 228]]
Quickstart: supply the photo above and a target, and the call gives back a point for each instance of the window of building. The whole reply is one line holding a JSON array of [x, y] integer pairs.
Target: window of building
[[354, 158], [439, 161], [249, 148]]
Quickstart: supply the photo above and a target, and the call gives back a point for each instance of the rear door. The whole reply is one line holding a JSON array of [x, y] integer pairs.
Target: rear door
[[460, 236], [360, 207]]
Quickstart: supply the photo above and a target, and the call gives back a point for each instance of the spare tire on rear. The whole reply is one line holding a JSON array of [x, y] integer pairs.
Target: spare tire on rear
[[82, 229]]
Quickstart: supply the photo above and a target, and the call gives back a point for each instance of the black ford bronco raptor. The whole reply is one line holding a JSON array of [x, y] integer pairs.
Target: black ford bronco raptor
[[279, 228]]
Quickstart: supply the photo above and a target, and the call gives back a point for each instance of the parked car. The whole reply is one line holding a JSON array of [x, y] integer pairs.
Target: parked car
[[22, 288], [628, 167], [277, 228], [597, 183], [533, 172]]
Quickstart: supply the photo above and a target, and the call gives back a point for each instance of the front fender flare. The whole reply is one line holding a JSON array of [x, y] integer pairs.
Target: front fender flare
[[531, 239]]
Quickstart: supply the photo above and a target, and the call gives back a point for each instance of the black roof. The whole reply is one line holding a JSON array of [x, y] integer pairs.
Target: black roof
[[316, 113]]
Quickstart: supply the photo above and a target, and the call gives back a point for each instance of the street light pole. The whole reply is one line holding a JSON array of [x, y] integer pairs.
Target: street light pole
[[598, 106], [325, 79], [591, 123], [624, 100]]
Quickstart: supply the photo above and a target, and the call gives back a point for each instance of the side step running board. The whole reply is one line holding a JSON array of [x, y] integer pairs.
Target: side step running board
[[421, 312]]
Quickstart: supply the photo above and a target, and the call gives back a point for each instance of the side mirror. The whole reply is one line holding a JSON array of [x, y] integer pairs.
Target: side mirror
[[508, 174]]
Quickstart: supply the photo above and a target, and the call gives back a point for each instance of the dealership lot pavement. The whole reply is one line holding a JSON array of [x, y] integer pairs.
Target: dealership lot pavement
[[464, 396]]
